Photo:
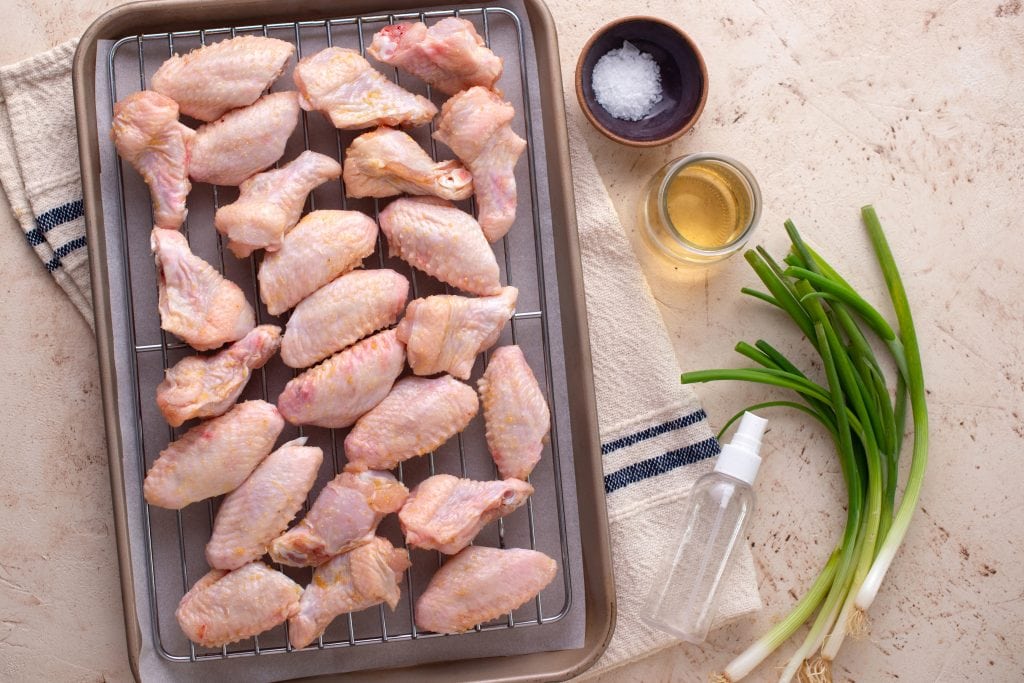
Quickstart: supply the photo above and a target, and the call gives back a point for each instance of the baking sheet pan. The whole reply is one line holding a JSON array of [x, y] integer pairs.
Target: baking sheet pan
[[140, 352]]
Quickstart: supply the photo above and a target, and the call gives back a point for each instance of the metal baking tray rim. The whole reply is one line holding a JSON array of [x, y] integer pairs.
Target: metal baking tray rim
[[162, 15]]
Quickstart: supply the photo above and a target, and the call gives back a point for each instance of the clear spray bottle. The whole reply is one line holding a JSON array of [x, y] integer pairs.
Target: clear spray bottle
[[686, 586]]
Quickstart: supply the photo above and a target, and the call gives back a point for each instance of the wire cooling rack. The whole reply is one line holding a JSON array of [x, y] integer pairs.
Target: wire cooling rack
[[175, 539]]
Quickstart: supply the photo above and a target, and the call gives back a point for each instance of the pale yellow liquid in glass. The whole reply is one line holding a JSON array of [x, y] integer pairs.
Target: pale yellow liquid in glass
[[708, 204]]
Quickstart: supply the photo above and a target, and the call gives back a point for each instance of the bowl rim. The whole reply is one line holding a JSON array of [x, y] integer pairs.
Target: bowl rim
[[628, 141]]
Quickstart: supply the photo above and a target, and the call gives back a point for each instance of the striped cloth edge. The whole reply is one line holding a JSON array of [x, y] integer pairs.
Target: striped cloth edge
[[666, 461], [656, 441], [40, 173]]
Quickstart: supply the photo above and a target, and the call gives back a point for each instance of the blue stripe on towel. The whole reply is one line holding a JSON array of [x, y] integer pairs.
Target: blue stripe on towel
[[651, 432], [65, 213], [62, 251], [652, 467]]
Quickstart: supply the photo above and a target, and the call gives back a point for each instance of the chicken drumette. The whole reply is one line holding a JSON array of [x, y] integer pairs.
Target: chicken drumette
[[344, 516], [450, 55], [147, 134], [387, 162], [476, 125], [207, 386], [270, 203]]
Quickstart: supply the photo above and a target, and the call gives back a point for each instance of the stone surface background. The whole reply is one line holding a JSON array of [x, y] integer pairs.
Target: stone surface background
[[915, 107]]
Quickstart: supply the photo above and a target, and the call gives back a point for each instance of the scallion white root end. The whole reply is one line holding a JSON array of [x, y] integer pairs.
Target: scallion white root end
[[816, 670], [858, 625]]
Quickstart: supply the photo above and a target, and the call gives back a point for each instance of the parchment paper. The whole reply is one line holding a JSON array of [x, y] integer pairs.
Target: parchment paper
[[133, 302]]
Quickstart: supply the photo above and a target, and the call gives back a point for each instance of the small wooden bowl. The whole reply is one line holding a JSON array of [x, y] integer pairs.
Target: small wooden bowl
[[684, 81]]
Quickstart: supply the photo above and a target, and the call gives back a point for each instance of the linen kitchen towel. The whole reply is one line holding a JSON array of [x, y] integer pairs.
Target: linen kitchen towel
[[39, 166], [655, 438]]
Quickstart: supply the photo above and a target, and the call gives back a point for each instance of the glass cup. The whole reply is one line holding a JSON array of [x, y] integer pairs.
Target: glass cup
[[700, 208]]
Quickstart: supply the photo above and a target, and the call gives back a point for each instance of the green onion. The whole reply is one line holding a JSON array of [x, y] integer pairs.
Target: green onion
[[865, 420]]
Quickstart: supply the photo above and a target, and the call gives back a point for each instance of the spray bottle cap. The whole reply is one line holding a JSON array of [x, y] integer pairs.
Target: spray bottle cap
[[740, 458]]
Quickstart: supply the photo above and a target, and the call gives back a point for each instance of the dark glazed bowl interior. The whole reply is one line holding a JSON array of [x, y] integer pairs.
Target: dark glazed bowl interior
[[683, 81]]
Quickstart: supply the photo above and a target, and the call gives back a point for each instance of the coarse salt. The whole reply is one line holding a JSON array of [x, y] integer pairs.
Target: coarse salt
[[627, 82]]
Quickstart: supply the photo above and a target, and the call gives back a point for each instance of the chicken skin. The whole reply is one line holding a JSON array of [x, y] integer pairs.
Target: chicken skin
[[270, 203], [223, 607], [244, 141], [515, 413], [211, 80], [416, 418], [341, 313], [361, 578], [344, 516], [433, 236], [213, 457], [444, 333], [446, 513], [207, 386], [480, 584], [324, 245], [196, 302], [340, 390], [450, 55], [354, 95], [147, 135], [387, 162], [475, 124], [260, 509]]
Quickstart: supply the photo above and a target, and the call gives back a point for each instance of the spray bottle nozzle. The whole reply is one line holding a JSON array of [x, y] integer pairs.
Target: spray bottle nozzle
[[740, 458], [750, 431]]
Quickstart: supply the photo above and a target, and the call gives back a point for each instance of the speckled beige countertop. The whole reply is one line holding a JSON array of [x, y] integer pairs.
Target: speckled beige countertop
[[916, 106]]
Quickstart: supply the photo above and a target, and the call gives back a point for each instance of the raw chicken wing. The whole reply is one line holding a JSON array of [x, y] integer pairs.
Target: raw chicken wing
[[341, 313], [196, 302], [324, 245], [207, 386], [515, 412], [416, 417], [258, 511], [475, 124], [444, 333], [344, 516], [244, 141], [435, 237], [387, 162], [446, 513], [270, 203], [213, 457], [361, 578], [450, 55], [147, 134], [354, 95], [480, 584], [210, 80], [224, 607], [340, 390]]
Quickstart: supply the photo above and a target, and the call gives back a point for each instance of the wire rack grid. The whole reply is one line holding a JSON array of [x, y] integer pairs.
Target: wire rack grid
[[174, 539]]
